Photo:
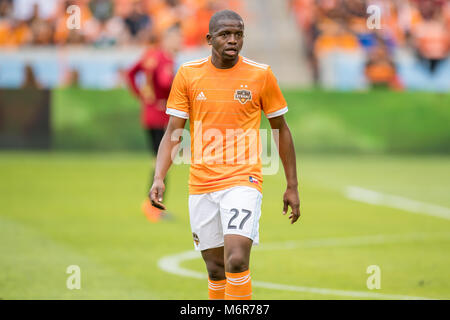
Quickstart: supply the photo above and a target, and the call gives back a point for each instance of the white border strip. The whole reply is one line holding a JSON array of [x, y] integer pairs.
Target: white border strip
[[277, 113], [397, 202], [255, 64], [195, 62], [177, 113]]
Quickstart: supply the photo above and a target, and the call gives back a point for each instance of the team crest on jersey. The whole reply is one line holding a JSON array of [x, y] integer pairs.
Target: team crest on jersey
[[243, 95], [196, 239]]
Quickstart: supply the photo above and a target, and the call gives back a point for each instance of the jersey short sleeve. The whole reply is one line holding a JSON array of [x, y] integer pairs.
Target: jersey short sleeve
[[272, 100], [178, 102]]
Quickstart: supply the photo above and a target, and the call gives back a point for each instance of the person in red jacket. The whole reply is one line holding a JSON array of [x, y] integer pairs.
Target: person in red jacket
[[157, 67]]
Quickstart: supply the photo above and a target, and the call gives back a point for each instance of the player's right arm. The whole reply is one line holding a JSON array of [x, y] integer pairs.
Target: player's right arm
[[178, 109], [169, 143]]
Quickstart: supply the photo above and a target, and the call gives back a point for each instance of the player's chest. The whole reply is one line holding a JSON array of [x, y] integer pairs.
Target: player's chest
[[214, 93]]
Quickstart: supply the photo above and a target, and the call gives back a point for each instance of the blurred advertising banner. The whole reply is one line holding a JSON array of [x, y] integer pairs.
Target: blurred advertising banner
[[25, 119], [90, 68], [50, 67]]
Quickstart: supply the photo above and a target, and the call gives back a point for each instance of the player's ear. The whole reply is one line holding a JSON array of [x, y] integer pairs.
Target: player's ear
[[208, 38]]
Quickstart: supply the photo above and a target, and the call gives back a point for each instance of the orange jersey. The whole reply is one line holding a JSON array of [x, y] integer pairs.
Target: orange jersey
[[224, 110]]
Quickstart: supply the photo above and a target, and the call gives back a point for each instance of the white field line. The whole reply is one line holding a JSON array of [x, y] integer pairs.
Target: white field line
[[352, 241], [397, 202], [172, 263]]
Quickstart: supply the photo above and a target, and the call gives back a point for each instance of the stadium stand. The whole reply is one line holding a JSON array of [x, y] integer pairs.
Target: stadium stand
[[327, 39], [34, 37], [105, 22], [409, 48]]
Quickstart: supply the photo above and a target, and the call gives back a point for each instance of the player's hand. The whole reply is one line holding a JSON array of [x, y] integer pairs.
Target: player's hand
[[291, 199], [156, 194]]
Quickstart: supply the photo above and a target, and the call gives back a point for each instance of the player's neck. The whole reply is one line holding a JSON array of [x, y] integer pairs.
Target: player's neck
[[223, 64]]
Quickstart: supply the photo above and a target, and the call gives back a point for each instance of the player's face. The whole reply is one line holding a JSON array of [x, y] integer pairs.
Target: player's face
[[227, 39]]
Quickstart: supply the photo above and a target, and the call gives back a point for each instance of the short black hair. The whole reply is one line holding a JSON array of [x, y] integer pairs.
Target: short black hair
[[222, 15]]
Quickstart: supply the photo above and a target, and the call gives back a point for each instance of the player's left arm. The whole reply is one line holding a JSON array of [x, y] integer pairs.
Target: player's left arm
[[286, 151]]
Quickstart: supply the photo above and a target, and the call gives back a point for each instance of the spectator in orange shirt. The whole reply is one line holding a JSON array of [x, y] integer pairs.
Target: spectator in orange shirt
[[380, 69], [41, 30], [62, 34], [430, 35]]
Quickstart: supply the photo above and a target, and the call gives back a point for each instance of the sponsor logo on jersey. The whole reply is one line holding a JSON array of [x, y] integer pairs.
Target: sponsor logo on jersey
[[201, 96]]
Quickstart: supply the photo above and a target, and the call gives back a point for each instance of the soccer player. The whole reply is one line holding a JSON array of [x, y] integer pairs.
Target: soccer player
[[220, 95], [157, 65]]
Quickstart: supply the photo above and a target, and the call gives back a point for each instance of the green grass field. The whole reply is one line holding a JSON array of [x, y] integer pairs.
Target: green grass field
[[61, 209]]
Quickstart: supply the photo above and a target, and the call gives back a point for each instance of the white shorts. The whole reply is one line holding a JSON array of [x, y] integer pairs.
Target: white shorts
[[231, 211]]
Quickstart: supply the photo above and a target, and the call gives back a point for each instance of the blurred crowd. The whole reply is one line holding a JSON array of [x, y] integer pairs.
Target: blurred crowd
[[104, 22], [349, 44], [421, 27]]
